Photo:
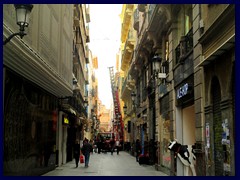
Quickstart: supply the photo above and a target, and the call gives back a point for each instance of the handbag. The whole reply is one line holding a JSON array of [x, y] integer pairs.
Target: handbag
[[81, 159]]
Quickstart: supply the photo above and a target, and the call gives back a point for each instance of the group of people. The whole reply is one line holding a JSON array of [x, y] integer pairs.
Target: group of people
[[138, 149], [86, 149], [114, 144]]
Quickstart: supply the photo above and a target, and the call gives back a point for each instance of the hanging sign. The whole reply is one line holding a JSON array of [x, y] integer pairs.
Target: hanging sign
[[182, 91], [65, 120]]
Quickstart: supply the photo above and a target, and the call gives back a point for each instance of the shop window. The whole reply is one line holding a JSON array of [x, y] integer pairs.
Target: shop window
[[165, 132]]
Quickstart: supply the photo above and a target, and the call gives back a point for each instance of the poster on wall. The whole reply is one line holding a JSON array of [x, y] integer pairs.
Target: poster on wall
[[208, 135]]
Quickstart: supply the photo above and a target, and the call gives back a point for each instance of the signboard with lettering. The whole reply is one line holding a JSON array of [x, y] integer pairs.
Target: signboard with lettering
[[65, 120], [182, 91]]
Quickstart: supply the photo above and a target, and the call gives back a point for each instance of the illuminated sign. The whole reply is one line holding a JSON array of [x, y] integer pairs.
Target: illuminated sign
[[65, 120], [182, 91]]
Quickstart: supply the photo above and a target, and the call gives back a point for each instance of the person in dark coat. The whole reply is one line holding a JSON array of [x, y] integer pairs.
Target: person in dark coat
[[138, 149], [86, 149], [76, 152]]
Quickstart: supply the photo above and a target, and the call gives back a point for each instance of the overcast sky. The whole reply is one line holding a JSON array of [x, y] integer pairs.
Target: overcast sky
[[105, 32]]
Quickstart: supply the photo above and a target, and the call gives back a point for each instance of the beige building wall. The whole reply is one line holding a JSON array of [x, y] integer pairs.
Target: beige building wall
[[37, 56], [105, 119]]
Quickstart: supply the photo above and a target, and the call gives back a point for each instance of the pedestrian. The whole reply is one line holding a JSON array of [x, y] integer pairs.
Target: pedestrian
[[76, 152], [138, 149], [99, 144], [112, 145], [86, 149], [117, 146]]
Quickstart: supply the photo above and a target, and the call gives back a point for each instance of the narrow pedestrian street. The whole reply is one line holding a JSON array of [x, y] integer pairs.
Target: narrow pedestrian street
[[107, 165], [155, 81]]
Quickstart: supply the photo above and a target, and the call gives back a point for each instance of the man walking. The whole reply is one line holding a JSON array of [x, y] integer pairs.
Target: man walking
[[76, 152], [86, 149], [117, 146]]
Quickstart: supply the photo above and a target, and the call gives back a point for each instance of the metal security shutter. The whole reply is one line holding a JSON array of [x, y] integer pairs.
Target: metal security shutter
[[217, 127]]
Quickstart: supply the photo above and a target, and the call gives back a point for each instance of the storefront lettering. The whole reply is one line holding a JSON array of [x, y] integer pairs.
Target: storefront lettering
[[182, 91]]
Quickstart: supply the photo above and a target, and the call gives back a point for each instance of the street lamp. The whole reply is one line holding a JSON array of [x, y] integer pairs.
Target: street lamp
[[133, 95], [125, 109], [22, 17], [85, 103], [157, 73], [156, 60]]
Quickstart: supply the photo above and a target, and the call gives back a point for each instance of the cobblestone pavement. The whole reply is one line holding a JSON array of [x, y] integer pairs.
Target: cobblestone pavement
[[107, 165]]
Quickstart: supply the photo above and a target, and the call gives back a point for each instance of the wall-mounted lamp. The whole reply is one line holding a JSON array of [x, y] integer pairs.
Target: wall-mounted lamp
[[133, 96], [157, 74], [22, 16], [85, 102]]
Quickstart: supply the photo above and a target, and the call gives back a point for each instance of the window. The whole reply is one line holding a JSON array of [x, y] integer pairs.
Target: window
[[188, 18]]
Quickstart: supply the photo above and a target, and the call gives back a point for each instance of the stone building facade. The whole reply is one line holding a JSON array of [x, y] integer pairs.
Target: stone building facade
[[182, 53]]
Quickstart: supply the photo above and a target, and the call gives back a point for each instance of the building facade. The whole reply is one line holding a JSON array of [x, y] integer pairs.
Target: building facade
[[35, 76], [177, 62], [44, 87]]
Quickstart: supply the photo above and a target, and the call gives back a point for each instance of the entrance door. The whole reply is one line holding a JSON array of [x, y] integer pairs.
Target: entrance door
[[189, 125], [185, 131], [217, 127], [188, 130]]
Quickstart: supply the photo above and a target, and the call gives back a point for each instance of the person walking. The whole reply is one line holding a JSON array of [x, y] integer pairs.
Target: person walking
[[138, 149], [117, 146], [76, 152], [86, 149]]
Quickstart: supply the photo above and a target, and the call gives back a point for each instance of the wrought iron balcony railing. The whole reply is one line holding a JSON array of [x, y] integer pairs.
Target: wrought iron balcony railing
[[185, 47]]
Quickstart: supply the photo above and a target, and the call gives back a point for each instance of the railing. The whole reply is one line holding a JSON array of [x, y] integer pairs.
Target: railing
[[124, 85], [185, 47], [76, 53], [125, 82], [75, 103], [189, 41], [130, 35], [144, 94], [177, 53]]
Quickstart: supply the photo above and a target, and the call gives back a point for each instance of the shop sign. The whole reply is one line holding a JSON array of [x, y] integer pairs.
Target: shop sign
[[182, 91], [65, 120]]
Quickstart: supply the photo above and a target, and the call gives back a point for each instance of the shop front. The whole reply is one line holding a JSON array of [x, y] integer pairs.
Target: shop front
[[185, 119], [30, 120], [164, 157]]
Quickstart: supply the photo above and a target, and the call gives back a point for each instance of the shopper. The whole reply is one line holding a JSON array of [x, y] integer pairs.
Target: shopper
[[86, 149], [76, 152], [138, 149], [117, 146]]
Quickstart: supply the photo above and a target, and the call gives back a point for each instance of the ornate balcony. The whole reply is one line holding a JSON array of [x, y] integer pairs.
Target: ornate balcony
[[185, 47], [126, 21], [127, 51]]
